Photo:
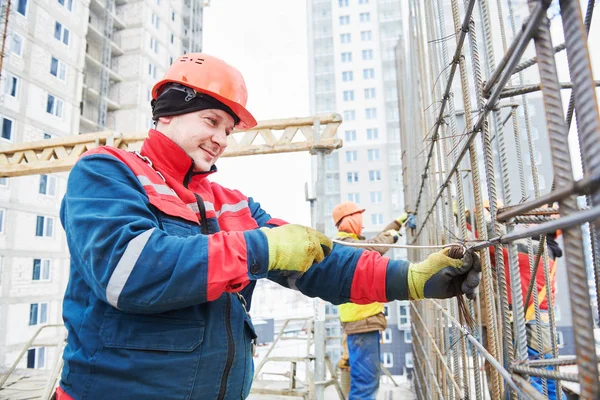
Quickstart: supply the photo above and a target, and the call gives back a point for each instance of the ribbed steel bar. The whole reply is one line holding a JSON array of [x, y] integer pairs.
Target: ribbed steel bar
[[522, 40], [429, 366], [546, 373], [446, 96], [532, 61], [582, 186], [524, 89], [563, 174], [565, 360]]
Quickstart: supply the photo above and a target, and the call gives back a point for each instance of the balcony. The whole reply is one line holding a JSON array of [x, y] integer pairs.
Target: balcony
[[95, 35], [99, 8], [94, 63]]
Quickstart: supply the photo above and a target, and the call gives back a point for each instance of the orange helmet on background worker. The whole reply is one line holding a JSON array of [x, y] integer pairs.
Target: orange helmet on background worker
[[344, 209], [347, 216], [204, 75]]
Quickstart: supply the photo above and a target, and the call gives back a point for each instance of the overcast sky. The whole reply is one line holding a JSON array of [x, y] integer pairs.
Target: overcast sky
[[267, 41]]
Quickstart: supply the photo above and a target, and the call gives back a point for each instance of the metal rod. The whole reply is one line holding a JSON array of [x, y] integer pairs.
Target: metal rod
[[546, 373], [524, 89]]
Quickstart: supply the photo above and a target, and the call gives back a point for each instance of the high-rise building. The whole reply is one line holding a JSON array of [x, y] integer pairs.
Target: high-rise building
[[352, 72], [69, 67]]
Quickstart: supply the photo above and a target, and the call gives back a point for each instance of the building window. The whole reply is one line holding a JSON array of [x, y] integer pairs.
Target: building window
[[369, 73], [38, 313], [349, 115], [11, 85], [345, 38], [376, 197], [346, 57], [344, 19], [41, 270], [155, 21], [54, 106], [366, 36], [367, 54], [408, 360], [172, 38], [16, 45], [2, 214], [560, 340], [351, 156], [172, 15], [387, 359], [377, 219], [154, 45], [352, 177], [47, 136], [370, 113], [61, 33], [350, 135], [7, 128], [68, 4], [386, 310], [343, 3], [58, 68], [47, 185], [347, 76], [363, 1], [36, 358], [386, 336], [22, 7], [348, 95], [365, 17], [4, 182], [374, 175], [355, 197], [152, 70], [369, 93], [372, 133], [407, 336], [373, 154], [44, 226], [404, 315]]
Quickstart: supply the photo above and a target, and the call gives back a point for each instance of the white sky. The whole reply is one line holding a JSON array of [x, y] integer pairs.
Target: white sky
[[267, 41]]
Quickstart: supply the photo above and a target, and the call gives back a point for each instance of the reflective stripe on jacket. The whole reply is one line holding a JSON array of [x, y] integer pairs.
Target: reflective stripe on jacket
[[160, 270]]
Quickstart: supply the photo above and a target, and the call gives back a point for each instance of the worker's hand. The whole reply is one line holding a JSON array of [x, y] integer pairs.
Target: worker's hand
[[295, 247], [402, 218], [445, 274], [394, 234]]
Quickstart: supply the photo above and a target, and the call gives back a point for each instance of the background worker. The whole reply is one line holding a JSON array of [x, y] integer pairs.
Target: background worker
[[164, 262], [362, 323]]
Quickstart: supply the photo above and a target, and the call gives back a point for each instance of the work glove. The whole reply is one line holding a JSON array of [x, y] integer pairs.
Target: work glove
[[296, 247], [445, 274], [412, 221], [394, 234], [402, 219]]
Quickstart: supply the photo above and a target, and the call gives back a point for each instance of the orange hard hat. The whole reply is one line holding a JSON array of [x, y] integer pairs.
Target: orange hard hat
[[214, 77], [344, 209]]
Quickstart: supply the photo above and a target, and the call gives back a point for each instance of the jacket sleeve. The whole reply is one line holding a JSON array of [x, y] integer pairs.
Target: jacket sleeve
[[351, 275], [117, 245], [381, 238]]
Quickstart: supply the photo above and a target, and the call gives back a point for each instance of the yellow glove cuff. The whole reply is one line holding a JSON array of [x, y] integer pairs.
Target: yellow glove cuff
[[419, 274]]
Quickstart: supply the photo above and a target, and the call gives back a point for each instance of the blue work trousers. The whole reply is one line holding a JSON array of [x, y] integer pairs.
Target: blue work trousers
[[537, 381], [364, 352]]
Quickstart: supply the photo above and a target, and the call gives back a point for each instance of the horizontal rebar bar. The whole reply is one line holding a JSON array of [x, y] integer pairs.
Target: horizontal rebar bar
[[524, 89], [532, 61], [565, 360], [580, 187], [546, 373]]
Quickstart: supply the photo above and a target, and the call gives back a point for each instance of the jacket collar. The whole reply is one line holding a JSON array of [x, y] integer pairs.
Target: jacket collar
[[343, 234], [170, 159]]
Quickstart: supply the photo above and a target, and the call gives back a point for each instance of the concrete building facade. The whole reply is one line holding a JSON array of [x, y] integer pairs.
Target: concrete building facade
[[65, 61]]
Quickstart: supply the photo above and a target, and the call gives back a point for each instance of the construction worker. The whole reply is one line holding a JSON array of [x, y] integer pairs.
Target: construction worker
[[164, 262], [362, 323], [535, 349]]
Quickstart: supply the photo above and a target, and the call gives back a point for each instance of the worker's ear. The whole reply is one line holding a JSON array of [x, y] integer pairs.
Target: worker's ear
[[165, 120]]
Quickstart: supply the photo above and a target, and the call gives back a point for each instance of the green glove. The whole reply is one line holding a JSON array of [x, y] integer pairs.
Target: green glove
[[402, 219], [442, 277], [296, 247]]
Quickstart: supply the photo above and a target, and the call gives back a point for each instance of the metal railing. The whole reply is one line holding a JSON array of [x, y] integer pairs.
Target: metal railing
[[502, 211]]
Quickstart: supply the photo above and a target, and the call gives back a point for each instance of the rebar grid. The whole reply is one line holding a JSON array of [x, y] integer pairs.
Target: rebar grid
[[449, 185]]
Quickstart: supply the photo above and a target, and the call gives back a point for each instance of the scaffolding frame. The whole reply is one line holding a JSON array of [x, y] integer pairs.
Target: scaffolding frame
[[449, 355]]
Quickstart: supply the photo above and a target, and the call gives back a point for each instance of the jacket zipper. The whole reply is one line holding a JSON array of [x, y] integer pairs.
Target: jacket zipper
[[202, 209], [230, 350]]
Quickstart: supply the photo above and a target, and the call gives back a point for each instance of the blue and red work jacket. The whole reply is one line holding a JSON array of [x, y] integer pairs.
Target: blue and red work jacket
[[163, 266]]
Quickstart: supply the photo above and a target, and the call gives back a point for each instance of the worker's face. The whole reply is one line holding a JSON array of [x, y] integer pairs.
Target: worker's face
[[201, 134]]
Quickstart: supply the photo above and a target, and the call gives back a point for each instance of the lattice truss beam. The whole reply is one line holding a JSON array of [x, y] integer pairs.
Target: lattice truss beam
[[268, 137]]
